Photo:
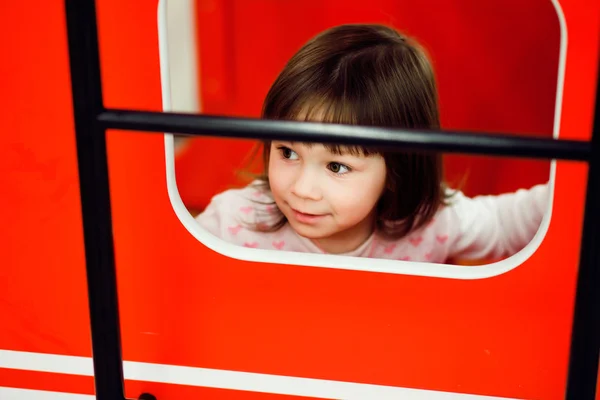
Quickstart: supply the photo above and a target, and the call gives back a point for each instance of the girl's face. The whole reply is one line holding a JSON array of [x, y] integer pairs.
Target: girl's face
[[327, 198]]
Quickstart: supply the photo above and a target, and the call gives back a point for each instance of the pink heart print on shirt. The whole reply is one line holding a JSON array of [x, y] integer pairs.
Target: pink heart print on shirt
[[246, 210], [416, 241], [270, 209], [252, 245], [441, 238], [234, 229], [279, 245], [257, 194], [428, 256], [388, 249]]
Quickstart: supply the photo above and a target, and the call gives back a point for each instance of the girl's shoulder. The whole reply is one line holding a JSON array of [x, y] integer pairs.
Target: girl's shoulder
[[462, 225], [251, 195], [493, 226], [238, 210]]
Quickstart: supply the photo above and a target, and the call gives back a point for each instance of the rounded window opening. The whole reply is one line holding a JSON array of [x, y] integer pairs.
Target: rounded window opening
[[359, 208]]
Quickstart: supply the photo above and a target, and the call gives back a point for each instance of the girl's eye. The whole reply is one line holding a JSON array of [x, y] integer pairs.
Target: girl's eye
[[338, 168], [288, 153]]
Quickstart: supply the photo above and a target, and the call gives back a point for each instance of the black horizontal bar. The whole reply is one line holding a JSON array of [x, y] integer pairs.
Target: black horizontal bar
[[443, 141]]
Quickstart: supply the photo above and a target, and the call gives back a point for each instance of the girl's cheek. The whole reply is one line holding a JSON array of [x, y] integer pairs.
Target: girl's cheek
[[275, 167], [278, 175]]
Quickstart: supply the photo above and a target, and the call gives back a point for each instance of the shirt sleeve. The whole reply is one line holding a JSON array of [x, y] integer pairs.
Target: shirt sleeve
[[495, 226]]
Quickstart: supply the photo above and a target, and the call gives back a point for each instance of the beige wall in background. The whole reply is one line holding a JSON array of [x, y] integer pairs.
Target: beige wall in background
[[183, 58]]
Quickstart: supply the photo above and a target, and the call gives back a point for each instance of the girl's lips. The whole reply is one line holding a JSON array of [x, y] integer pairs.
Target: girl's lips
[[307, 218]]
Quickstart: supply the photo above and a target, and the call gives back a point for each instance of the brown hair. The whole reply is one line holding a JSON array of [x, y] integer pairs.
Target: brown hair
[[367, 75]]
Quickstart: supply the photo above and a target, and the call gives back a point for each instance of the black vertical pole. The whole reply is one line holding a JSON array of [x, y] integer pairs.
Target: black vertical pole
[[585, 336], [95, 198]]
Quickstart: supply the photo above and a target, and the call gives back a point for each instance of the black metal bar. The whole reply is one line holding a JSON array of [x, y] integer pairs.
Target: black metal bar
[[585, 335], [95, 198], [443, 141]]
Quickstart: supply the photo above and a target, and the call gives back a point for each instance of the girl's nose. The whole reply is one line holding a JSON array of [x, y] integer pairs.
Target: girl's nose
[[306, 185]]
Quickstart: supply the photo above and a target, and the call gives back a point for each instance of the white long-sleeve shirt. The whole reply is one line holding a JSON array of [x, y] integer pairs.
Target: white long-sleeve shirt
[[483, 227]]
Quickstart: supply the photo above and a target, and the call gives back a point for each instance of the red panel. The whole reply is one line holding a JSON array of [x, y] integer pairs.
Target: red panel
[[46, 381], [42, 273], [186, 305]]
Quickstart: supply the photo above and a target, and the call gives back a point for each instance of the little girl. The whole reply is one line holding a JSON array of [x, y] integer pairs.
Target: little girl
[[365, 201]]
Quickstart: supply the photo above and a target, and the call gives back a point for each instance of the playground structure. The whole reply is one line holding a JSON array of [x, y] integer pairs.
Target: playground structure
[[242, 345]]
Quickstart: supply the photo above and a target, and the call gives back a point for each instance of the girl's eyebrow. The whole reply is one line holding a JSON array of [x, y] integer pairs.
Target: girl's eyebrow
[[339, 150]]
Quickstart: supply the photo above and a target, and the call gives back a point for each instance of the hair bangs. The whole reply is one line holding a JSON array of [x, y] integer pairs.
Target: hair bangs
[[331, 110]]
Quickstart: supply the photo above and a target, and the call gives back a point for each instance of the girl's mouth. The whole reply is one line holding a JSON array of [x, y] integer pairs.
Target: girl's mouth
[[306, 218]]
